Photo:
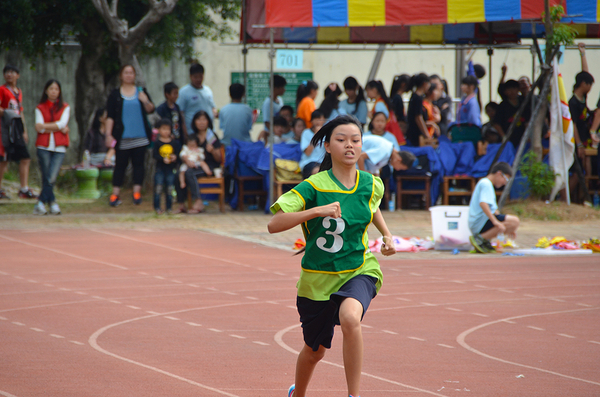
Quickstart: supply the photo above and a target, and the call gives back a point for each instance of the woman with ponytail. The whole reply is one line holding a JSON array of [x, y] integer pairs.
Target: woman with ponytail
[[399, 87], [330, 107], [305, 101], [419, 84], [355, 104], [339, 275], [376, 92]]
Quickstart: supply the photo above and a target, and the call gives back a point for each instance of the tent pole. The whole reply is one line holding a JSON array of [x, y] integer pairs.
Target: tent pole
[[376, 62], [490, 55], [245, 48], [460, 70], [271, 137]]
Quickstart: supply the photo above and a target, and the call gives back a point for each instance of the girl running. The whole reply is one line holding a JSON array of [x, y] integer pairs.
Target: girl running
[[340, 276]]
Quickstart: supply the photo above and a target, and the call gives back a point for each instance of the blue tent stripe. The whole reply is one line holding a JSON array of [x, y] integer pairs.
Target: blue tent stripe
[[330, 12], [502, 10], [586, 11]]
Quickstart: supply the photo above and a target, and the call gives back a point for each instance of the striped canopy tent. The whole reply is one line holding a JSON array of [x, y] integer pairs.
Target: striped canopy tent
[[483, 22]]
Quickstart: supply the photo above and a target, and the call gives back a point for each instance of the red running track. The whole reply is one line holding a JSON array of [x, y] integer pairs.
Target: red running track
[[107, 313]]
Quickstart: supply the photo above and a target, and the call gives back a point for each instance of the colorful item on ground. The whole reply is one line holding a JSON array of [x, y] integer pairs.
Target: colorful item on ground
[[299, 244], [412, 244]]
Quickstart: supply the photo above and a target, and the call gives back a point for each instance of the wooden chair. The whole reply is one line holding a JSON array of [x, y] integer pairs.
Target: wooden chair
[[433, 142], [279, 186], [465, 183], [425, 192], [213, 185], [243, 192]]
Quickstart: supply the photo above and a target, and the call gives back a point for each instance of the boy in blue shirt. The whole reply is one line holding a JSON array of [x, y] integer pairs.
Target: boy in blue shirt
[[235, 119], [485, 221]]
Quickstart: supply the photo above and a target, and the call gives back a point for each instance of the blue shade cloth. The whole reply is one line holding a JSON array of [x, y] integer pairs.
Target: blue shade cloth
[[585, 9], [330, 12], [502, 10], [241, 158], [435, 167], [300, 35], [447, 155], [459, 33], [483, 164], [457, 158]]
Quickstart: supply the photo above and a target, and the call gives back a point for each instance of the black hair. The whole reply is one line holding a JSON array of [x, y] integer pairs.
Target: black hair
[[96, 121], [296, 122], [279, 81], [280, 121], [583, 77], [127, 65], [317, 114], [10, 68], [59, 101], [196, 68], [470, 80], [237, 91], [378, 85], [352, 84], [324, 135], [370, 127], [417, 81], [304, 90], [331, 101], [407, 158], [445, 85], [502, 167], [492, 105], [431, 89], [163, 122], [288, 108], [169, 87], [195, 138], [479, 71], [511, 84], [197, 116], [398, 82]]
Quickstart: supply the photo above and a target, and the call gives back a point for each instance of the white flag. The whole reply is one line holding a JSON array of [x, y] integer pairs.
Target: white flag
[[562, 142]]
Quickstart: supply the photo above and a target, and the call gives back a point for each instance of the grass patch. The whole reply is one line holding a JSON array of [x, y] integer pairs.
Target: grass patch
[[556, 211]]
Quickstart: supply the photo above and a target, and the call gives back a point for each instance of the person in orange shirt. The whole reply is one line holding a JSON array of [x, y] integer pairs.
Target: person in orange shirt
[[305, 101]]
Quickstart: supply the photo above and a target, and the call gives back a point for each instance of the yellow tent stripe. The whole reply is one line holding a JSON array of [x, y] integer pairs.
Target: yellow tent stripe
[[366, 12]]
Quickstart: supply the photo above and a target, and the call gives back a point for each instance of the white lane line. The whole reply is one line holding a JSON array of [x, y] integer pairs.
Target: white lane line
[[77, 343], [3, 273], [447, 346], [177, 281], [159, 277], [49, 285], [404, 299], [57, 336], [415, 338], [36, 329], [536, 328], [252, 298], [194, 324], [279, 273], [415, 274], [97, 297], [2, 318], [18, 323], [143, 273], [211, 289], [462, 337], [80, 293], [32, 281], [214, 330], [454, 309], [64, 289], [229, 293], [458, 282], [593, 341], [194, 285], [260, 343], [436, 278], [508, 321], [261, 269], [366, 326], [18, 277], [272, 303], [584, 305], [506, 290], [57, 251], [480, 315], [279, 340], [292, 307], [567, 336], [557, 300], [6, 394], [134, 307], [115, 302], [530, 296], [237, 336], [428, 304], [389, 332], [172, 318], [151, 312]]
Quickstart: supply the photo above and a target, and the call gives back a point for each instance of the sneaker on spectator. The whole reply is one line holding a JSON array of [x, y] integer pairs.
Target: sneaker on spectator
[[478, 242], [54, 208], [28, 194], [39, 209], [137, 198], [3, 194], [487, 245], [114, 200]]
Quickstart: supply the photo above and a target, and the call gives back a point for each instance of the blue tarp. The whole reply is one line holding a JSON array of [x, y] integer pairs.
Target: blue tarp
[[280, 151], [435, 167], [482, 166], [457, 158], [241, 158]]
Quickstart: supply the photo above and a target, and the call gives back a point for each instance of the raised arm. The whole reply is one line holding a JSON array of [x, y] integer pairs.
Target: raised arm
[[584, 64]]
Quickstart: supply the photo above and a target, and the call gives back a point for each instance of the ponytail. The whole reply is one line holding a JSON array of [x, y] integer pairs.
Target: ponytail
[[398, 82], [304, 90], [417, 80], [378, 85], [351, 84]]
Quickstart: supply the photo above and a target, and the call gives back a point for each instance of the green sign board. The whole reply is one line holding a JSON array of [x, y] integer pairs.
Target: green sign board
[[257, 87]]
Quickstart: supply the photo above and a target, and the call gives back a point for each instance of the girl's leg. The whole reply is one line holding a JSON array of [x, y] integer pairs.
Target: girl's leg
[[305, 366], [351, 311]]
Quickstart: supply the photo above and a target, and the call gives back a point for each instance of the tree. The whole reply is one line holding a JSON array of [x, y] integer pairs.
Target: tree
[[39, 27]]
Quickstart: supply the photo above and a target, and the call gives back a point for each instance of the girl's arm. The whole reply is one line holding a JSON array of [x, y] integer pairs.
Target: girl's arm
[[388, 247], [283, 221], [59, 125], [422, 126]]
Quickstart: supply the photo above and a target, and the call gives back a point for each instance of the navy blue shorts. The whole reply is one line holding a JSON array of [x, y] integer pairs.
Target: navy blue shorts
[[319, 318], [488, 225]]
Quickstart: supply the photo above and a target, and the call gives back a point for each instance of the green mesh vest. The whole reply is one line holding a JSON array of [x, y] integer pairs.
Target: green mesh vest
[[337, 245]]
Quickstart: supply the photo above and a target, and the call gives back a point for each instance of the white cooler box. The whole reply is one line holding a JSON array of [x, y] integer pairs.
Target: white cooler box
[[450, 224]]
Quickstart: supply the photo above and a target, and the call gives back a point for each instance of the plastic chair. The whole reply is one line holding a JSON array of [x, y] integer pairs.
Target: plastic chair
[[465, 133]]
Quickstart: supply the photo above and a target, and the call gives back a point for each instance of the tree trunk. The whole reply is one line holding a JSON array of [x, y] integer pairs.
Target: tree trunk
[[538, 124], [90, 77]]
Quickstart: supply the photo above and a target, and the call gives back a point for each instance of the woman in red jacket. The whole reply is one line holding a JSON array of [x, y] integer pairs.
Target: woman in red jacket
[[51, 119]]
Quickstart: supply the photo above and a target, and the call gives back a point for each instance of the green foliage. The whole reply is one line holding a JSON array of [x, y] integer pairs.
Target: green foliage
[[540, 177], [562, 34]]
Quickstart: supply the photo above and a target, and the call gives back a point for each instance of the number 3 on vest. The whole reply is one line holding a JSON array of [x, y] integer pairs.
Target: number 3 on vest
[[338, 241]]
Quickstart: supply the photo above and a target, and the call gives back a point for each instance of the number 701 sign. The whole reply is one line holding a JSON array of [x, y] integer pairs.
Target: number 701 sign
[[289, 59]]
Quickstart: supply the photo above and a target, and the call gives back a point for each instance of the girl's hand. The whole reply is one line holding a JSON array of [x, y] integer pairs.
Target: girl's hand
[[173, 158], [333, 210], [388, 248], [167, 160]]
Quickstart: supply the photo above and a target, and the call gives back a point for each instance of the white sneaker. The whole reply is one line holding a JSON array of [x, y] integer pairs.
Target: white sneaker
[[39, 209], [54, 208]]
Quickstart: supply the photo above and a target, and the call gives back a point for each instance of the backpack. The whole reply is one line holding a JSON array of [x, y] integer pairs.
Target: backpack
[[12, 130]]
